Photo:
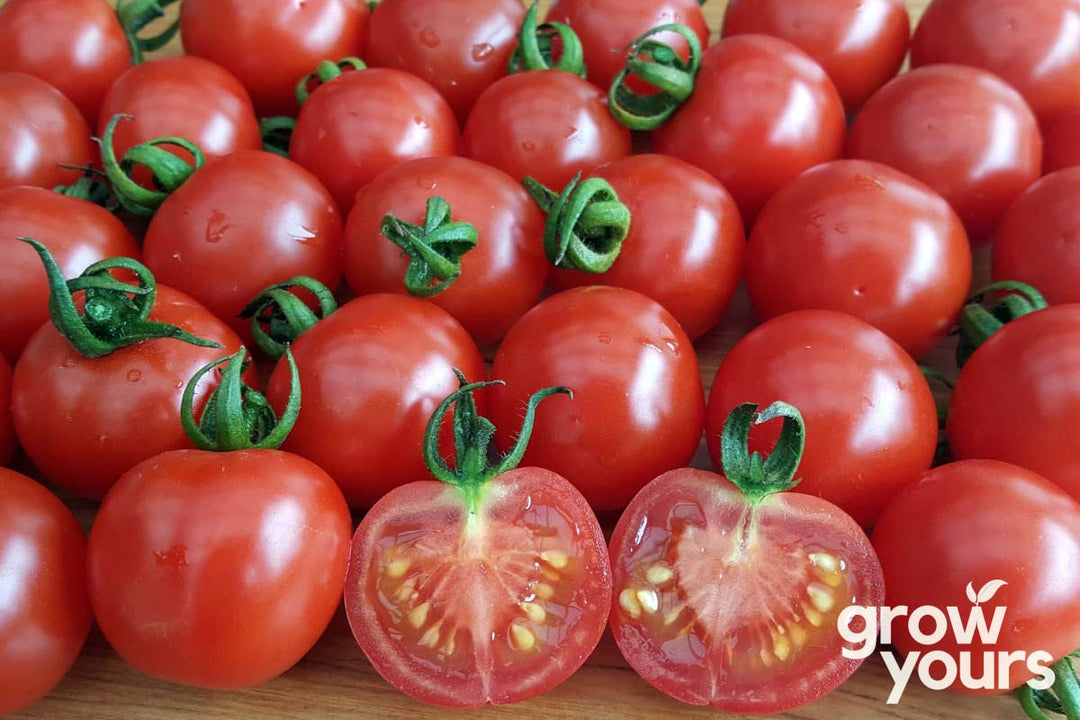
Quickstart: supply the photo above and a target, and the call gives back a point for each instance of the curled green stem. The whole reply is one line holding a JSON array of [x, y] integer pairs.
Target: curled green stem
[[277, 134], [135, 15], [536, 47], [1061, 699], [757, 476], [586, 224], [978, 323], [279, 316], [324, 72], [92, 186], [435, 248], [661, 67]]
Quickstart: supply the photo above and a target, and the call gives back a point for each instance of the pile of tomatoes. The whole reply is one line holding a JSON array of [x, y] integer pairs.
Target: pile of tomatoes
[[409, 259]]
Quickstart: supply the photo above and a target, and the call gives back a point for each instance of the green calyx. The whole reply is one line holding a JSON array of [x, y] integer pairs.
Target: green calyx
[[535, 48], [661, 67], [92, 187], [236, 416], [326, 71], [115, 314], [277, 134], [1061, 699], [586, 224], [135, 15], [435, 248], [279, 316], [756, 476], [978, 323]]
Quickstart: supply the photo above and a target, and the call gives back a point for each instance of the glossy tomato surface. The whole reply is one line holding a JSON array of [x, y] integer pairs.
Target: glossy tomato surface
[[8, 443], [372, 374], [464, 610], [1017, 398], [501, 278], [723, 603], [545, 124], [762, 112], [40, 129], [236, 34], [219, 570], [362, 123], [77, 46], [76, 232], [460, 48], [871, 424], [1025, 532], [85, 422], [863, 239], [960, 130], [46, 611], [638, 405], [1061, 142]]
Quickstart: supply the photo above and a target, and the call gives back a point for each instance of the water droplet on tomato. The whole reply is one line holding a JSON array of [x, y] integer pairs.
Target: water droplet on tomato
[[302, 234], [528, 145], [604, 338], [420, 121], [482, 51], [217, 226], [426, 183], [429, 37], [134, 375]]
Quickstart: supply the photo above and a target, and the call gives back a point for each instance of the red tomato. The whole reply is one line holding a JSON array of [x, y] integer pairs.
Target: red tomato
[[40, 129], [607, 27], [545, 124], [761, 113], [1017, 398], [861, 45], [241, 224], [460, 48], [1061, 142], [46, 612], [638, 406], [77, 46], [364, 122], [218, 570], [1023, 530], [864, 239], [7, 429], [78, 233], [871, 423], [1035, 47], [501, 278], [960, 130], [682, 220], [235, 34]]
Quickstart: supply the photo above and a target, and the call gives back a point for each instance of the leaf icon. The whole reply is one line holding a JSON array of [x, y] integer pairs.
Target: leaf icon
[[971, 594], [989, 590]]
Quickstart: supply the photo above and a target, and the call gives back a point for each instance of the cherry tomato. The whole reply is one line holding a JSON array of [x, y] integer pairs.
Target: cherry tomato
[[7, 429], [460, 48], [638, 407], [362, 123], [685, 245], [240, 224], [218, 570], [871, 423], [864, 239], [861, 45], [78, 233], [46, 614], [1061, 142], [1017, 400], [607, 27], [975, 522], [1034, 47], [235, 34], [544, 124], [761, 113], [501, 278], [40, 129], [960, 130]]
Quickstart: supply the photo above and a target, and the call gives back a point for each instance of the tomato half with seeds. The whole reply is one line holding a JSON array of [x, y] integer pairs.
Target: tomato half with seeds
[[7, 428], [727, 592]]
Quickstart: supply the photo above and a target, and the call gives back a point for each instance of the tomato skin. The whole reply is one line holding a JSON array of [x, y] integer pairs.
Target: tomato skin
[[372, 374], [638, 406], [251, 210], [434, 514], [235, 34], [544, 124], [218, 570], [46, 612], [39, 130], [8, 443], [1026, 532], [501, 278], [459, 48], [1036, 48], [686, 501], [864, 239], [871, 423], [960, 130], [683, 221], [361, 123], [77, 233], [84, 422], [1061, 148], [1016, 399], [737, 127]]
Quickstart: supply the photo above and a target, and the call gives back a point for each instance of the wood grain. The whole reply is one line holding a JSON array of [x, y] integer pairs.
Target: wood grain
[[335, 681]]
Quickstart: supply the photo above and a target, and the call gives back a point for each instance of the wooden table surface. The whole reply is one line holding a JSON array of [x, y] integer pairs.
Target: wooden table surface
[[336, 682]]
